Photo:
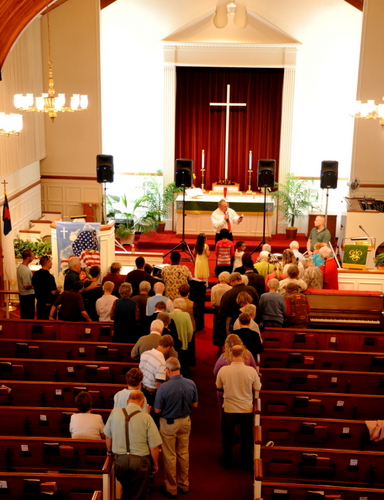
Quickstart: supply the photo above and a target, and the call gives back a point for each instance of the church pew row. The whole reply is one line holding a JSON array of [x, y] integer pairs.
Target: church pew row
[[342, 467], [273, 490], [55, 394], [320, 404], [40, 421], [65, 349], [315, 432], [41, 454], [290, 379], [347, 340], [321, 360], [60, 370], [28, 329], [15, 485]]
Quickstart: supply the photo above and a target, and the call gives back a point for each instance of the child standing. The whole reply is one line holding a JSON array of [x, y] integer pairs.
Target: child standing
[[224, 253], [239, 252], [297, 307], [201, 251]]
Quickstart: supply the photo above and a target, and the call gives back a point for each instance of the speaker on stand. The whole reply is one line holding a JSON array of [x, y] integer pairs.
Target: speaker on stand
[[328, 180], [183, 178], [265, 179], [104, 174]]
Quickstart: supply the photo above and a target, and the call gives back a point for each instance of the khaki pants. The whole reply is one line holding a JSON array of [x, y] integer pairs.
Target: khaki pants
[[175, 453]]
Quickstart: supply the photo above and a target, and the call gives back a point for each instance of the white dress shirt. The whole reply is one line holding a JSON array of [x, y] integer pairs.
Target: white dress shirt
[[218, 221]]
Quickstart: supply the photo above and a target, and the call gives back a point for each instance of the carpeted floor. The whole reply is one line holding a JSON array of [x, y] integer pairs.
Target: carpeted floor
[[208, 480]]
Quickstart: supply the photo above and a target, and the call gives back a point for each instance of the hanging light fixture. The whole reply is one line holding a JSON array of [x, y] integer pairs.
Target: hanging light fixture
[[11, 124], [49, 102], [369, 111]]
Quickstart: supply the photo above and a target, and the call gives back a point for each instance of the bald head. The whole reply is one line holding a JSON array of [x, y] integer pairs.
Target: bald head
[[237, 353], [158, 288], [136, 397]]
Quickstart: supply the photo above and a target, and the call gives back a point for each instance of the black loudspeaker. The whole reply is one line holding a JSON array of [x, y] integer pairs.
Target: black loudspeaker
[[104, 168], [328, 176], [183, 172], [266, 173]]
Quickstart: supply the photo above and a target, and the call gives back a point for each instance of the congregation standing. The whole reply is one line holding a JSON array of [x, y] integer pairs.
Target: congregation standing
[[158, 317]]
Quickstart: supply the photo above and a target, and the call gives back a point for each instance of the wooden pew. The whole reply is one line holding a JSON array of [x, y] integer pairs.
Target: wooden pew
[[64, 371], [320, 404], [318, 432], [40, 421], [321, 360], [289, 379], [273, 490], [55, 394], [342, 467], [41, 454], [17, 485], [346, 340], [65, 349], [28, 329]]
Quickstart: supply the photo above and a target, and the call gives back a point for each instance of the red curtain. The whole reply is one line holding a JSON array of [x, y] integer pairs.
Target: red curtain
[[255, 127]]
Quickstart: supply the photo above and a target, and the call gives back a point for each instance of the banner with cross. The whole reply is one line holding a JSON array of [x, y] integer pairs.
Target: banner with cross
[[78, 239]]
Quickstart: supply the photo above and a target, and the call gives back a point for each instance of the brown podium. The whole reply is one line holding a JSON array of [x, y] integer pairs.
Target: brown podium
[[90, 210]]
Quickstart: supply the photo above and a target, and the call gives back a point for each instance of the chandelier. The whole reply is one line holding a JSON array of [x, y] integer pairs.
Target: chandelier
[[369, 110], [49, 102], [11, 124]]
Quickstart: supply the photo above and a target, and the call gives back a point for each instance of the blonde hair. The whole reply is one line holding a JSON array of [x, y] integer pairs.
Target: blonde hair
[[230, 342]]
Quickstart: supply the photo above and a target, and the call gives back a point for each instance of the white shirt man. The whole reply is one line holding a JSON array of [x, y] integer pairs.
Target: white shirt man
[[224, 218]]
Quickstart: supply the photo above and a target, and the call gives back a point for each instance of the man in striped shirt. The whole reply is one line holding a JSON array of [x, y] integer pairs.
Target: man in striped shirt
[[152, 364]]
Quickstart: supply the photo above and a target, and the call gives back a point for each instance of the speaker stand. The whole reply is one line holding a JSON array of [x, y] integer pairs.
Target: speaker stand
[[104, 204], [183, 245], [263, 241]]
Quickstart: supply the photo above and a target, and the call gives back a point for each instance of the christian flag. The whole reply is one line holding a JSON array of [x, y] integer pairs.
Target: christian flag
[[9, 263], [7, 225]]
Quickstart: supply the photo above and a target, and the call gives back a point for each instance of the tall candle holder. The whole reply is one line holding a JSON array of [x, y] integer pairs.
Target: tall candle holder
[[249, 182], [202, 179]]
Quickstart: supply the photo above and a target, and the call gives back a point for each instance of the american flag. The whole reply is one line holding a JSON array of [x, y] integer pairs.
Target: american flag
[[86, 240], [90, 258]]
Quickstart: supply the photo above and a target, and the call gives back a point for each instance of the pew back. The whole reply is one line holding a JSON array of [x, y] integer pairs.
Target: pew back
[[62, 394], [346, 340], [11, 328], [289, 379], [16, 485], [321, 404], [64, 371], [65, 349], [322, 360], [319, 432], [343, 467], [39, 421], [272, 490]]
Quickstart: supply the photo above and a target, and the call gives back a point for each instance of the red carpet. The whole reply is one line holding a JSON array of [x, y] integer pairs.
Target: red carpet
[[208, 480], [163, 243]]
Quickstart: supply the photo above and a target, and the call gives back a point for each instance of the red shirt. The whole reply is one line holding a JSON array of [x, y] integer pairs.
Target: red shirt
[[224, 252], [330, 277]]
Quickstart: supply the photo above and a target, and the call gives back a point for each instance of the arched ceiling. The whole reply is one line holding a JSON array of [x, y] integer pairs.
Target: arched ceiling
[[15, 15]]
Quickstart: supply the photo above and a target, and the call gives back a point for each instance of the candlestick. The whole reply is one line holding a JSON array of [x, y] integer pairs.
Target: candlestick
[[249, 181], [250, 160], [202, 159]]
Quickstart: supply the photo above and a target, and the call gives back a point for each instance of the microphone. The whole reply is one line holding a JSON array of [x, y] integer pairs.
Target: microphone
[[361, 227]]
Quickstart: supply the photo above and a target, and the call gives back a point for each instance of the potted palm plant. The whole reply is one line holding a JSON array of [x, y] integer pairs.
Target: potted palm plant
[[379, 261], [139, 220], [294, 199], [159, 199]]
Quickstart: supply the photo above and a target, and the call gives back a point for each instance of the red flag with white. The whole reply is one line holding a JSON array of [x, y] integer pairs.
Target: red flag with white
[[9, 263]]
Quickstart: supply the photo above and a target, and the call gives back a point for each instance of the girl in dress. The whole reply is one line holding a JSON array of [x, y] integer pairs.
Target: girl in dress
[[239, 252], [201, 251]]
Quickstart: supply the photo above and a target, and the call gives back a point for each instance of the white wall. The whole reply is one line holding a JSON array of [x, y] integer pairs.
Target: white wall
[[326, 78]]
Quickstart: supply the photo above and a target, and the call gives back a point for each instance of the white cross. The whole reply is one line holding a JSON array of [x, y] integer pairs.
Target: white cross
[[227, 105], [64, 231]]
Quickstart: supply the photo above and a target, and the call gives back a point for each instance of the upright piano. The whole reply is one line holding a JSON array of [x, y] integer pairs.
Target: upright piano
[[346, 309]]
